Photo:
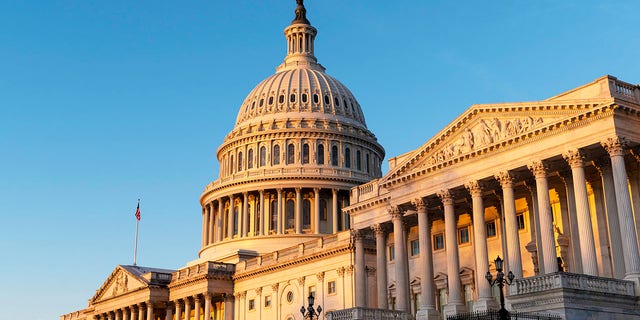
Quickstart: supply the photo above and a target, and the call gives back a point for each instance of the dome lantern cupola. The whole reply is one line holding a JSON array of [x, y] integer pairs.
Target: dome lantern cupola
[[300, 36]]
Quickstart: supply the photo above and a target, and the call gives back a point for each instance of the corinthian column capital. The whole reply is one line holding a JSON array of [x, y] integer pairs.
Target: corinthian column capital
[[538, 169], [615, 145], [420, 204], [574, 158], [505, 178], [446, 196], [394, 212], [474, 188]]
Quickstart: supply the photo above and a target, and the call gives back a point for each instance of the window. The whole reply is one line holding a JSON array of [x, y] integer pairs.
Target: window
[[392, 252], [290, 214], [367, 163], [415, 248], [320, 155], [326, 99], [334, 155], [290, 153], [263, 156], [491, 229], [358, 160], [347, 158], [323, 209], [304, 97], [273, 208], [312, 291], [520, 218], [239, 161], [306, 214], [463, 235], [331, 287], [252, 304], [250, 159], [261, 102], [468, 296], [290, 296], [305, 153], [270, 100], [281, 98], [316, 99], [292, 98], [276, 155], [231, 165], [438, 241], [267, 301], [336, 101]]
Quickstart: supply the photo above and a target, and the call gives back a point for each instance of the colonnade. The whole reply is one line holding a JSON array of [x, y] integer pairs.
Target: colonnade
[[266, 212], [141, 311], [616, 211]]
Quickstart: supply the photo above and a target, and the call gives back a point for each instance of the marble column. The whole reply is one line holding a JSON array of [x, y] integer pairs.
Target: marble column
[[232, 217], [334, 210], [141, 311], [455, 304], [244, 217], [402, 280], [615, 146], [197, 306], [585, 230], [360, 269], [576, 264], [211, 223], [263, 218], [613, 222], [316, 209], [219, 225], [134, 312], [150, 315], [187, 308], [168, 312], [205, 220], [381, 265], [228, 307], [279, 210], [179, 304], [548, 245], [126, 313], [298, 211], [118, 314], [511, 228], [427, 309]]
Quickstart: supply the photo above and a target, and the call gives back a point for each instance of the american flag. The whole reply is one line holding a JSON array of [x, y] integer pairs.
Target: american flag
[[138, 211]]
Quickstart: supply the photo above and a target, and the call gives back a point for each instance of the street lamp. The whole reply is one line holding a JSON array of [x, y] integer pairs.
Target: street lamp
[[500, 280], [309, 312]]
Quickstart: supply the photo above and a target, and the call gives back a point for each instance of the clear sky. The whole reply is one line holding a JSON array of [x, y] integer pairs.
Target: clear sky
[[105, 102]]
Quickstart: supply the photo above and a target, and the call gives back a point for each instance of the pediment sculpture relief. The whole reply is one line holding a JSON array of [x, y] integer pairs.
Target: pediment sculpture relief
[[485, 132], [120, 285]]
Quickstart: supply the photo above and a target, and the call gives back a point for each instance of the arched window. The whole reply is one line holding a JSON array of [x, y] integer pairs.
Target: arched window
[[235, 220], [347, 158], [273, 209], [306, 214], [225, 219], [239, 161], [292, 97], [231, 167], [290, 214], [275, 157], [304, 97], [358, 160], [290, 153], [258, 217], [323, 209], [263, 156], [250, 159], [334, 155], [305, 153], [367, 163], [320, 155]]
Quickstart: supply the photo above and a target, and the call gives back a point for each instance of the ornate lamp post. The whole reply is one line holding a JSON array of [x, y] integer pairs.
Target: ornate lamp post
[[500, 280], [309, 312]]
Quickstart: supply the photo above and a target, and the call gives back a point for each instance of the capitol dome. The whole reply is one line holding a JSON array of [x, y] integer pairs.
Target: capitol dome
[[299, 144]]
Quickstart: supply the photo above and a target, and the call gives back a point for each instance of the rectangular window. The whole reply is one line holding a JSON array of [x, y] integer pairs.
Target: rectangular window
[[312, 291], [438, 241], [520, 218], [331, 287], [415, 247], [392, 252], [252, 304], [267, 301], [491, 229], [463, 235]]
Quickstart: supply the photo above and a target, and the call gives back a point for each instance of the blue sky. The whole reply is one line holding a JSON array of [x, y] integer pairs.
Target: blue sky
[[105, 102]]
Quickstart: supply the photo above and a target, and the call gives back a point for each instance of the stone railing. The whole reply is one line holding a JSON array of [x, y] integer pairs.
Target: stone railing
[[204, 268], [562, 280], [366, 314], [365, 191], [627, 91]]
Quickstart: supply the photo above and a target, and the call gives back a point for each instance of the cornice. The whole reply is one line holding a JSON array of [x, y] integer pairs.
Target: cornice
[[369, 203]]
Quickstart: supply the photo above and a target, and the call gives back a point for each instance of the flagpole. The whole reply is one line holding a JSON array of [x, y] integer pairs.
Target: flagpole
[[135, 248]]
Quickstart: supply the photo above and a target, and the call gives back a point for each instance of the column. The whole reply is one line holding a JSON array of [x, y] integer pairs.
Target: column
[[279, 211], [187, 308], [141, 311], [316, 209], [205, 221], [548, 245], [211, 222], [179, 304], [298, 211], [402, 281], [381, 265], [615, 146], [263, 220], [360, 269], [613, 222], [243, 220], [585, 230], [228, 307], [485, 300], [334, 210], [427, 285], [150, 315], [135, 311], [118, 314], [219, 225], [534, 222], [207, 306], [197, 305], [456, 304], [231, 217], [511, 227], [576, 266], [169, 312], [126, 313]]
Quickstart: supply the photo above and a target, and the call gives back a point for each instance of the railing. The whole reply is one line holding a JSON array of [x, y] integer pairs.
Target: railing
[[626, 90], [494, 315], [566, 280], [365, 191], [366, 314]]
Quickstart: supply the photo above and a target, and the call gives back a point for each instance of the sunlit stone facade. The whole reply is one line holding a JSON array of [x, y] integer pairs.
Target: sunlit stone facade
[[301, 208]]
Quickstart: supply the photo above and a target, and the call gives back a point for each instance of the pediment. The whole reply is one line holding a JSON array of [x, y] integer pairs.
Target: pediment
[[485, 128], [118, 283]]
